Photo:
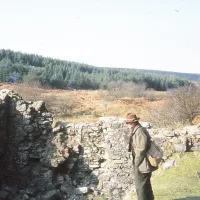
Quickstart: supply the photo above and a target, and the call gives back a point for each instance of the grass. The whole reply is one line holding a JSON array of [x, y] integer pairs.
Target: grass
[[76, 106], [179, 182]]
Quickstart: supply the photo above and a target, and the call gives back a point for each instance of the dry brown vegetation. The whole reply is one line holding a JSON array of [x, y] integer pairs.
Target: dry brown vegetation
[[86, 105], [76, 106]]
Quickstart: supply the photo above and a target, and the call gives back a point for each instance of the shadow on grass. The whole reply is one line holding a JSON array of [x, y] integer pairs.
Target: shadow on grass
[[189, 198]]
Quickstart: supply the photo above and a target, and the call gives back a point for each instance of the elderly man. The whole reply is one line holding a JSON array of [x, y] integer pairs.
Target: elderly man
[[139, 143]]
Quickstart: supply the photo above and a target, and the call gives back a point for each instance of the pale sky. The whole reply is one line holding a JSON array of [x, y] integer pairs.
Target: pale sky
[[140, 34]]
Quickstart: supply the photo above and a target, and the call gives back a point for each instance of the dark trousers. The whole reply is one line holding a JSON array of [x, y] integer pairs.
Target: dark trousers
[[143, 185]]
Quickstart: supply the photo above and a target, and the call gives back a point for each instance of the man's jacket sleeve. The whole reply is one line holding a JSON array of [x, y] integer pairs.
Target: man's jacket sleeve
[[140, 147]]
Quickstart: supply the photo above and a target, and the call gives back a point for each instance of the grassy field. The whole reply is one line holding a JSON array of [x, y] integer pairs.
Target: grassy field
[[76, 106], [180, 182]]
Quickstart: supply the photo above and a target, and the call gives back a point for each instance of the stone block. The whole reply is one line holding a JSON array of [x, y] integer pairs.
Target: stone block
[[82, 190], [4, 195], [179, 148], [195, 147], [51, 195], [169, 164]]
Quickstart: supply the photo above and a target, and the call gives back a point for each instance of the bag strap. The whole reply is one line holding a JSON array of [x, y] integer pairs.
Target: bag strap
[[131, 139]]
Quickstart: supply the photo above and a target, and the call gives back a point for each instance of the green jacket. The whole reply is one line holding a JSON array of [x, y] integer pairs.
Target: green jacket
[[140, 145]]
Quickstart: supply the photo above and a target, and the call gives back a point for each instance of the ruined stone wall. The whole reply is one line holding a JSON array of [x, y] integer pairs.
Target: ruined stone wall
[[3, 136], [3, 119], [27, 126], [70, 161], [101, 162]]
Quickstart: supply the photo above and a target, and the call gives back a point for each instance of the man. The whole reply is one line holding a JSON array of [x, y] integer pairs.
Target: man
[[139, 143]]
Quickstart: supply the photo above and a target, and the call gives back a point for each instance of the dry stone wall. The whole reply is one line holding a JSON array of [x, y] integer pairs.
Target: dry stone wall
[[103, 164], [27, 126], [71, 161]]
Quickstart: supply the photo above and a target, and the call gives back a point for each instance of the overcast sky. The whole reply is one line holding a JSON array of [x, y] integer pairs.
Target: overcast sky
[[141, 34]]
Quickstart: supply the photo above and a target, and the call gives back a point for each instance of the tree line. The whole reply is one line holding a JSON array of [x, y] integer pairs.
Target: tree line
[[21, 67]]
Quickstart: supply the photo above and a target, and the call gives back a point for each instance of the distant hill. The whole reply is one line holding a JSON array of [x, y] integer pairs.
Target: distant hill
[[23, 67], [189, 76]]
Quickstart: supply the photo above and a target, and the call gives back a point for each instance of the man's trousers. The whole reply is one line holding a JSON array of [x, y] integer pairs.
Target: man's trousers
[[143, 185]]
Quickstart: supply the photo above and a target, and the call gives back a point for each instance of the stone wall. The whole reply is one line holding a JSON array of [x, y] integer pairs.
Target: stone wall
[[27, 126], [101, 162], [70, 161]]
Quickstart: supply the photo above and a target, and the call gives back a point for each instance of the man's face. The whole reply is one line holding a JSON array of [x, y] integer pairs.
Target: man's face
[[132, 125]]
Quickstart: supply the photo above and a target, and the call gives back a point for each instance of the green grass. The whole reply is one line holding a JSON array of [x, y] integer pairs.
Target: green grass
[[179, 182]]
